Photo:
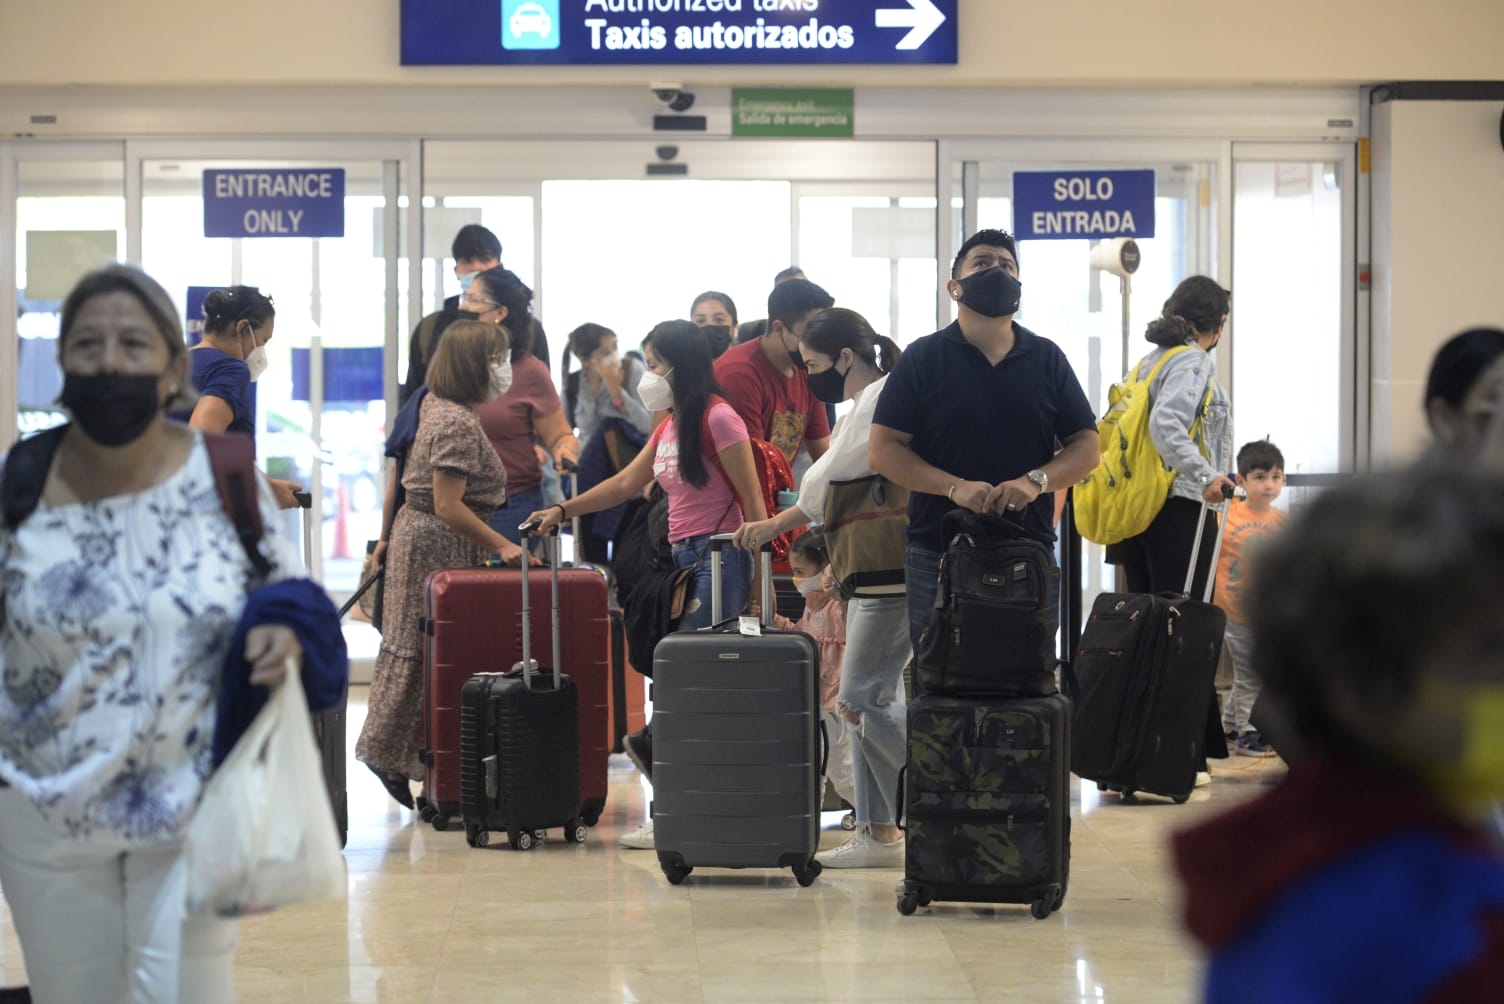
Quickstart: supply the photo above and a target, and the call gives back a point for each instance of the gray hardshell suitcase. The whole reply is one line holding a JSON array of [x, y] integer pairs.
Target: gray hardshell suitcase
[[737, 771]]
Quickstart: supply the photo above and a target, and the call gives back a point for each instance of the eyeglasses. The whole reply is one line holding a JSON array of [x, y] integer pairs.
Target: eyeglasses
[[473, 301]]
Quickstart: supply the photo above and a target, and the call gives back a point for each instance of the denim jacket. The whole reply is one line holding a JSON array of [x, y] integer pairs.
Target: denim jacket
[[1176, 395]]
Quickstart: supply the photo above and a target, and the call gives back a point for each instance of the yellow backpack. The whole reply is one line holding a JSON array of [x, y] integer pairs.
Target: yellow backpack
[[1121, 497]]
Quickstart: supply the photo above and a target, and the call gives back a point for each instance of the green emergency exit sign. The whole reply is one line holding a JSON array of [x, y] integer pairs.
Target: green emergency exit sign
[[787, 113]]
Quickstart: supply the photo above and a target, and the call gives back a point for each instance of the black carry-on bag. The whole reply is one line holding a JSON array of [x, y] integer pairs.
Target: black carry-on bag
[[737, 772], [992, 632], [329, 726], [1145, 676], [520, 741], [986, 797]]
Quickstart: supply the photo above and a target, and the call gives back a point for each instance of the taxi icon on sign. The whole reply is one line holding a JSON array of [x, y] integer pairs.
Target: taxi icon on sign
[[531, 19]]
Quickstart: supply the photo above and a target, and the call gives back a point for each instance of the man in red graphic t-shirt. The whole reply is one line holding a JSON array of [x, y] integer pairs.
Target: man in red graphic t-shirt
[[764, 379]]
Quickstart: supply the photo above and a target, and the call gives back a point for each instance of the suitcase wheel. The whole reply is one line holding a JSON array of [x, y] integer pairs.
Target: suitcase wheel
[[908, 902], [576, 831], [425, 808], [521, 840], [477, 837], [848, 821], [675, 873], [440, 821], [925, 897], [591, 817], [540, 835], [1045, 905], [808, 872], [1180, 799], [1101, 785]]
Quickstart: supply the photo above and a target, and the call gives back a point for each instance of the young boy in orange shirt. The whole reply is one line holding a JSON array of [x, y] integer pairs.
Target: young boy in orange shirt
[[1261, 473]]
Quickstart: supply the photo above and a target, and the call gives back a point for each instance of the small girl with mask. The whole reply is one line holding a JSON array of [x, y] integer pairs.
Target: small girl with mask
[[824, 620]]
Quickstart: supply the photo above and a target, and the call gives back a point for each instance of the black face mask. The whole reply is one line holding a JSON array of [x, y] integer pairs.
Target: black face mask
[[466, 315], [829, 385], [993, 293], [719, 337], [112, 409], [795, 356]]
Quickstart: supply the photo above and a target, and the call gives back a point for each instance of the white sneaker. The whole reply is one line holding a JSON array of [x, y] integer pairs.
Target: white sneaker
[[640, 839], [1203, 778], [863, 850]]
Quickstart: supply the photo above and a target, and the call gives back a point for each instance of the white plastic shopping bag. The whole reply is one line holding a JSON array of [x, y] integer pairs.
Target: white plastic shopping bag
[[264, 835]]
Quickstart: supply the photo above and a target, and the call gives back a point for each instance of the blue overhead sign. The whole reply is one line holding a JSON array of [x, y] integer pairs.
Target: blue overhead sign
[[1082, 205], [670, 32], [275, 202]]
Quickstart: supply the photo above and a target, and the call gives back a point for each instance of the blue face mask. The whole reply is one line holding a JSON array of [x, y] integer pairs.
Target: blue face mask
[[466, 280]]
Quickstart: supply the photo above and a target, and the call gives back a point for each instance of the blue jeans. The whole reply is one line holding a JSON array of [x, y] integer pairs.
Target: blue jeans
[[921, 581], [872, 688], [518, 507], [736, 581]]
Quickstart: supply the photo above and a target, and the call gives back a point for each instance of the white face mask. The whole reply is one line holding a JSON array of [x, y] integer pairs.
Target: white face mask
[[656, 392], [256, 360], [501, 378]]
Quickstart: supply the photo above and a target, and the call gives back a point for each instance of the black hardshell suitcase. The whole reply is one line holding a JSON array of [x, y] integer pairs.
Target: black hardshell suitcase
[[1144, 675], [737, 772], [519, 744], [986, 796]]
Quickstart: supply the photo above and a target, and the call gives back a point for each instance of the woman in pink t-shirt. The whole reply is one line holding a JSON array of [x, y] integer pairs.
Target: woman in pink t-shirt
[[701, 457], [711, 482]]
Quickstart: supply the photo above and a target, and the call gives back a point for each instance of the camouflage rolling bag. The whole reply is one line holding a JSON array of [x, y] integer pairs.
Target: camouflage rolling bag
[[987, 802]]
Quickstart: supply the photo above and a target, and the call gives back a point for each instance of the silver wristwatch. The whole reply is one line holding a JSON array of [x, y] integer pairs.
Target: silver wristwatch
[[1041, 479]]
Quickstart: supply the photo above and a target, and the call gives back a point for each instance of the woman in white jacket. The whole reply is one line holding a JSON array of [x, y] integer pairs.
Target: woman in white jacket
[[849, 361]]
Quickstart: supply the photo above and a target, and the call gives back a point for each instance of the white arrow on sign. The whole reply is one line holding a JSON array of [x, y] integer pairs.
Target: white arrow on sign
[[922, 19]]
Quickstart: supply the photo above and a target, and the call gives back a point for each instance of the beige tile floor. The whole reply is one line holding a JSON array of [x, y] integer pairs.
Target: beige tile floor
[[429, 919]]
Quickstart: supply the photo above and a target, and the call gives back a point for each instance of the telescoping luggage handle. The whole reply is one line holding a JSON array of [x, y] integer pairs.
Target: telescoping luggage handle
[[720, 541], [529, 664], [1228, 492], [569, 483]]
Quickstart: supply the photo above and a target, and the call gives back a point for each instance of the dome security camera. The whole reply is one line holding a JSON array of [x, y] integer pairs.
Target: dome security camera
[[674, 96]]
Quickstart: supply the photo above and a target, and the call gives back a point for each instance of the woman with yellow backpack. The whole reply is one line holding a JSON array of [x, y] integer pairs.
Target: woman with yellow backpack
[[1191, 428], [1143, 502]]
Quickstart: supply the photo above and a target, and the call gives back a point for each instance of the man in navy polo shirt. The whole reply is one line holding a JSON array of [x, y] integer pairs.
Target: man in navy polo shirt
[[984, 415]]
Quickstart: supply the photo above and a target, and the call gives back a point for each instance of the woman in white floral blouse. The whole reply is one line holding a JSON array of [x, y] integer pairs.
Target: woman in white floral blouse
[[121, 591]]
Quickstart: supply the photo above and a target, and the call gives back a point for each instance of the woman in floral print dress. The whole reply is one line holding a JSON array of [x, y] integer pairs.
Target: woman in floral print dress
[[454, 481]]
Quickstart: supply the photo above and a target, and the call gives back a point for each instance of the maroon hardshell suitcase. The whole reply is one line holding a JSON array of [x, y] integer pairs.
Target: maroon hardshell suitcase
[[472, 624]]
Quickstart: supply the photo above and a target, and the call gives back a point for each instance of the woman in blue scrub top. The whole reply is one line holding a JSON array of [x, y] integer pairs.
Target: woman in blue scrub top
[[238, 322]]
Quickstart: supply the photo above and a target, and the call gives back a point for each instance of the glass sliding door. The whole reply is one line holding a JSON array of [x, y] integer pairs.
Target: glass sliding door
[[1096, 319], [321, 407], [1293, 296], [70, 218]]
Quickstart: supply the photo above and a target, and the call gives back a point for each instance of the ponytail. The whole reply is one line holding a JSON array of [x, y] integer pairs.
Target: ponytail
[[887, 354], [1170, 331]]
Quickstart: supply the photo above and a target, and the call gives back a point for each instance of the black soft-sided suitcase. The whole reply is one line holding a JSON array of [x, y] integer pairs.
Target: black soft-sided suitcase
[[1145, 674], [987, 802], [519, 744], [737, 773], [329, 726], [992, 632]]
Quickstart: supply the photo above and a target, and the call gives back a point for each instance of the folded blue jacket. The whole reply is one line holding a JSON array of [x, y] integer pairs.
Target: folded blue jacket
[[303, 606]]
